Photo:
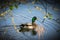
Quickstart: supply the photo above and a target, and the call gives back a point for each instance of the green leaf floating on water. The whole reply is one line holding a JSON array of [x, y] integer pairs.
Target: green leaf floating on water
[[11, 7], [50, 16]]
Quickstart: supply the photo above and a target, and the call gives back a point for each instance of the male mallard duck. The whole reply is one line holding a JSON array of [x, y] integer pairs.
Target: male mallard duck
[[33, 27]]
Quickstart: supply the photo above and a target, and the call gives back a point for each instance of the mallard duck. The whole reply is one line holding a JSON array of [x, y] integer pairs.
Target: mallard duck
[[32, 27]]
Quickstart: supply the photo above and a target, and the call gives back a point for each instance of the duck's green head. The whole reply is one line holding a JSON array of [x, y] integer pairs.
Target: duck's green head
[[33, 19]]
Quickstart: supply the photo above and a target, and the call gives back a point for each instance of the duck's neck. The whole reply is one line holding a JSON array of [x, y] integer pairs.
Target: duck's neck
[[33, 22]]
